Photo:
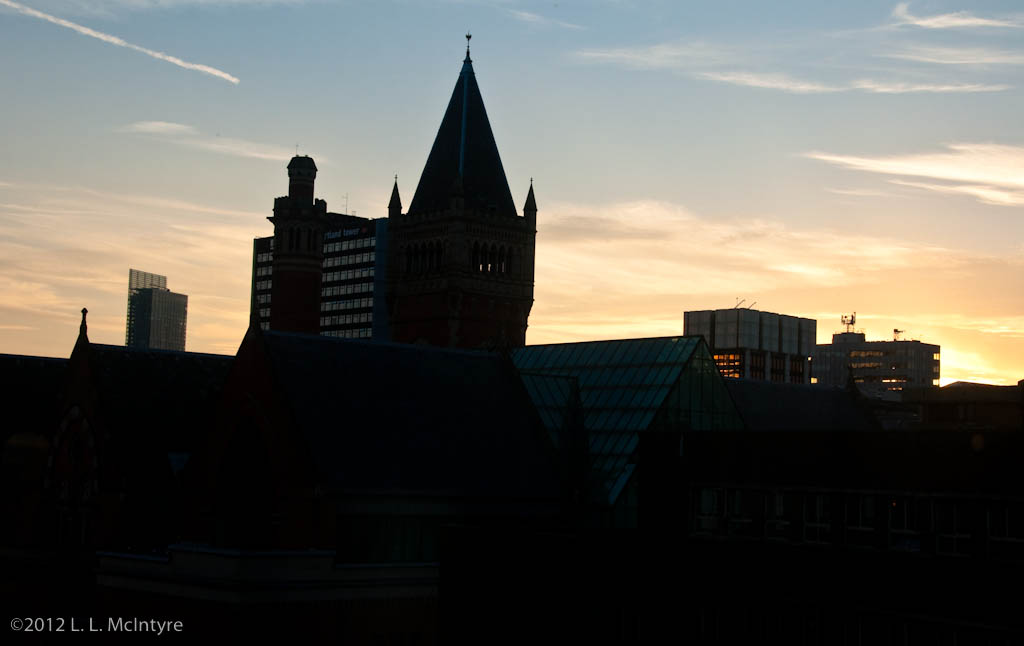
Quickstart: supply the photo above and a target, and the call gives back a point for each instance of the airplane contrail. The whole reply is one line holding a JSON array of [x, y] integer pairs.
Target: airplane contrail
[[114, 40]]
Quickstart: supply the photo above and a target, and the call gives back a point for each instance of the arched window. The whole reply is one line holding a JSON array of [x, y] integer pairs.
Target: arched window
[[492, 260], [501, 260]]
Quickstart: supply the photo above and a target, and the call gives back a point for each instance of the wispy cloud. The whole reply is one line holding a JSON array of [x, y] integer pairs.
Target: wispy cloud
[[186, 135], [798, 86], [985, 194], [114, 40], [771, 81], [725, 65], [880, 87], [958, 19], [108, 8], [992, 173], [537, 19], [677, 56], [158, 128], [957, 55], [859, 192]]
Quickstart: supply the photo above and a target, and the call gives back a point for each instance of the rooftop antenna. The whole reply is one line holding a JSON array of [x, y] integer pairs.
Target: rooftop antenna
[[849, 321], [751, 306], [896, 334], [739, 301]]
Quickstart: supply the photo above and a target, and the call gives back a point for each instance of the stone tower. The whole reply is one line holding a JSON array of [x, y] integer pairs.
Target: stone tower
[[462, 258], [299, 221]]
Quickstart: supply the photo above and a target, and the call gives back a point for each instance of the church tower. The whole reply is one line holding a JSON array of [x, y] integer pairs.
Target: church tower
[[299, 221], [462, 258]]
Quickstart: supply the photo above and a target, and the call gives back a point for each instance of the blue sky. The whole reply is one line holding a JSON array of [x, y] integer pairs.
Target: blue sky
[[815, 159]]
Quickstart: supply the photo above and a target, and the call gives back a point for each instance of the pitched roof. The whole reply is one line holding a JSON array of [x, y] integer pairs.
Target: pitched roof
[[464, 147], [388, 417], [623, 387]]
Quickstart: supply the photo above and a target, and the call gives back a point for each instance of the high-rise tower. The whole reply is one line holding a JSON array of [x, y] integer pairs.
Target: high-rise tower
[[462, 259], [299, 222], [156, 316]]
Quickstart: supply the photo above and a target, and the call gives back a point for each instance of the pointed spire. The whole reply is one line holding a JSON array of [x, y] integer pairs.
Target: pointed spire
[[395, 205], [82, 342], [531, 201], [464, 146]]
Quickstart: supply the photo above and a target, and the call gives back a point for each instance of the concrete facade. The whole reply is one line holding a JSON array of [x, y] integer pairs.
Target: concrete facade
[[881, 369], [751, 344]]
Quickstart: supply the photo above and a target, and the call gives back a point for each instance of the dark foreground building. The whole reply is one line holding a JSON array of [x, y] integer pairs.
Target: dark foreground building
[[615, 491]]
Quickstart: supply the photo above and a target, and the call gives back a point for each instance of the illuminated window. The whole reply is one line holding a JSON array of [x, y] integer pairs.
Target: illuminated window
[[865, 353], [730, 365]]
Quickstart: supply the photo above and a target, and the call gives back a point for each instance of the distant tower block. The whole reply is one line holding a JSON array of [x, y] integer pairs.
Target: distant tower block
[[157, 316], [299, 222]]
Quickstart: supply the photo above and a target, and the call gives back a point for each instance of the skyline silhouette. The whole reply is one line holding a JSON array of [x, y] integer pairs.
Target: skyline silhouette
[[686, 158]]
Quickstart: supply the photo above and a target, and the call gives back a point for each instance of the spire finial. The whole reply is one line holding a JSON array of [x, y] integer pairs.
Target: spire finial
[[468, 37], [82, 328]]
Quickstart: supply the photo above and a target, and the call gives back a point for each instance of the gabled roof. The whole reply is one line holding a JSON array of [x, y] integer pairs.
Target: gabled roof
[[555, 398], [464, 147], [388, 417], [626, 387]]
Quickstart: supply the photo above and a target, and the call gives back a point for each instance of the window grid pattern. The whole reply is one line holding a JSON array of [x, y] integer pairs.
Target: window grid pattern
[[631, 386]]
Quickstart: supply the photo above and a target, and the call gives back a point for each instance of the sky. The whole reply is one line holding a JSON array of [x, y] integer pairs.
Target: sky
[[808, 158]]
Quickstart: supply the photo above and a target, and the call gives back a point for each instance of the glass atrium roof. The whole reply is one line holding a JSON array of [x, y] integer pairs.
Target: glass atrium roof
[[627, 387]]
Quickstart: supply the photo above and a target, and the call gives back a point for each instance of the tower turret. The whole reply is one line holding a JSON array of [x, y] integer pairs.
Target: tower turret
[[299, 223], [530, 208], [395, 205], [301, 175]]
